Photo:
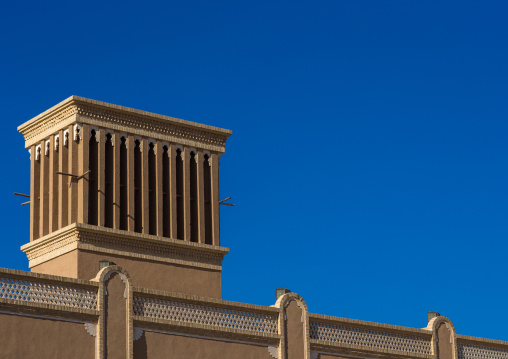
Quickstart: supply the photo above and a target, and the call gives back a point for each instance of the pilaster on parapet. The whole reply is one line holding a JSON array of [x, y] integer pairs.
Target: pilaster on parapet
[[444, 342], [293, 328], [115, 330], [79, 110]]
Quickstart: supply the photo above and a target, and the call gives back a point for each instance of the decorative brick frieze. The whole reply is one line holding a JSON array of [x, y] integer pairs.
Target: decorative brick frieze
[[160, 250], [47, 293], [369, 338], [30, 294], [354, 337], [142, 126], [47, 278], [204, 314], [480, 348], [207, 317], [471, 351], [33, 294], [51, 246], [219, 303], [48, 122], [123, 119], [137, 245]]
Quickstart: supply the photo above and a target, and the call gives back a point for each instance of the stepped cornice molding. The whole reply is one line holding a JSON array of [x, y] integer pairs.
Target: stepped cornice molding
[[77, 109], [124, 243]]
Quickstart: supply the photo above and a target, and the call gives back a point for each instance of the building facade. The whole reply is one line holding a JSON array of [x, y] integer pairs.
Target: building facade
[[126, 260]]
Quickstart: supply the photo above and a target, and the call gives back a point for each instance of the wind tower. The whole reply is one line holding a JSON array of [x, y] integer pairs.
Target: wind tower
[[111, 183]]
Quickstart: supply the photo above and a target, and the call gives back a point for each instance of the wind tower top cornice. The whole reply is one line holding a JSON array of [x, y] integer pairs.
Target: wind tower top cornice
[[77, 109]]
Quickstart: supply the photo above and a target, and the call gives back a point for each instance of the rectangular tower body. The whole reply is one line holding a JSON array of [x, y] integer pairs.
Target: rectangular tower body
[[132, 187]]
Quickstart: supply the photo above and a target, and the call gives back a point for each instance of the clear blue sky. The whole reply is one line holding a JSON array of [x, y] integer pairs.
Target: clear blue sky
[[368, 159]]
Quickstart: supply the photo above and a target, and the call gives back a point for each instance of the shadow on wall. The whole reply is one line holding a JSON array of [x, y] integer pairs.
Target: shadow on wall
[[140, 349]]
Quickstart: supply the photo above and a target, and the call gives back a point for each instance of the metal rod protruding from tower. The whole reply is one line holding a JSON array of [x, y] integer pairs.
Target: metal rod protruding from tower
[[23, 195], [226, 204]]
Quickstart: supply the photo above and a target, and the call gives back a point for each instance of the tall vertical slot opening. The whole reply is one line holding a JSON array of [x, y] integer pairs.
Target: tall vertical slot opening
[[45, 191], [108, 181], [207, 199], [74, 168], [166, 219], [138, 206], [93, 189], [123, 183], [54, 168], [64, 165], [152, 192], [179, 195], [35, 201], [193, 198]]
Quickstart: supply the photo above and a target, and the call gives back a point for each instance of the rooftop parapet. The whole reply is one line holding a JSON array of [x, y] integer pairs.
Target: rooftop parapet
[[148, 310]]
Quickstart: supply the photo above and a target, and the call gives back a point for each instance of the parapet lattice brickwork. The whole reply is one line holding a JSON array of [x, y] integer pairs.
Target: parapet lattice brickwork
[[58, 298]]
